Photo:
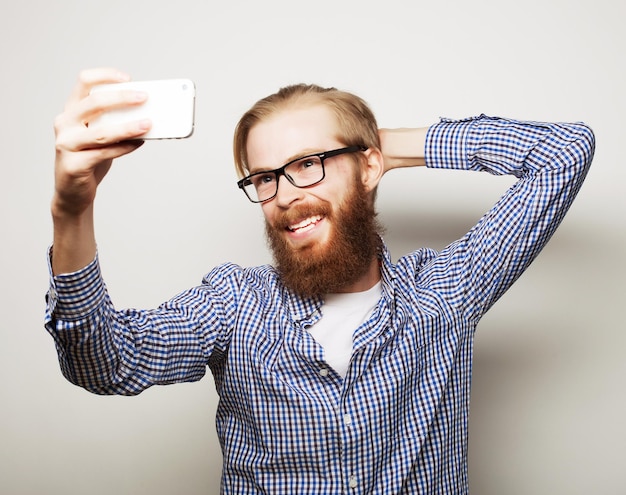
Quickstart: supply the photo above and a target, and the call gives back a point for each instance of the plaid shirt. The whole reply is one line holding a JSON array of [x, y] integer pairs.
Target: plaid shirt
[[287, 423]]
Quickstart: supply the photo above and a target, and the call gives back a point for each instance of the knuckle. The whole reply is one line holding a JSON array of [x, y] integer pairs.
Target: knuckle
[[61, 147], [61, 129], [83, 76], [58, 123]]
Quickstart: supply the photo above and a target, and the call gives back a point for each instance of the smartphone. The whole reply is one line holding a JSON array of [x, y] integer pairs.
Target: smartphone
[[170, 106]]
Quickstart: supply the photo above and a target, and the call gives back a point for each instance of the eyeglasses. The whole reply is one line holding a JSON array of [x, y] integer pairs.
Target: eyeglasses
[[302, 172]]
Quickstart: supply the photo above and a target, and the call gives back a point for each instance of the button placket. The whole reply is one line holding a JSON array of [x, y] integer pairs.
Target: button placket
[[352, 482]]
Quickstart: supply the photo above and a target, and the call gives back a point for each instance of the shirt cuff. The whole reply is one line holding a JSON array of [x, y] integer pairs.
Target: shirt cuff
[[448, 142], [74, 295]]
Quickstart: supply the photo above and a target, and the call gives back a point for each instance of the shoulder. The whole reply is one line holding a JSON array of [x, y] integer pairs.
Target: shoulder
[[233, 273], [233, 281]]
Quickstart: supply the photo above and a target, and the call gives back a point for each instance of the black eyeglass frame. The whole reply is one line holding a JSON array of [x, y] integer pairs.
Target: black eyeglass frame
[[281, 170]]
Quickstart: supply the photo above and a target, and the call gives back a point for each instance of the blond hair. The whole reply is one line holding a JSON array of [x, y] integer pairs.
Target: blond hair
[[356, 122]]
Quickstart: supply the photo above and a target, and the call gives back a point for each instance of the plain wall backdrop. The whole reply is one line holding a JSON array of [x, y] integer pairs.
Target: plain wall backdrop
[[548, 398]]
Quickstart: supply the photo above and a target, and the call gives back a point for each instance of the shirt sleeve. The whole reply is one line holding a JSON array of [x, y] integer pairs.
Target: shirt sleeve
[[124, 352], [550, 161]]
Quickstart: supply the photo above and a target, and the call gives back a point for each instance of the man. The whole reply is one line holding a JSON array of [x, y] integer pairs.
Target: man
[[338, 371]]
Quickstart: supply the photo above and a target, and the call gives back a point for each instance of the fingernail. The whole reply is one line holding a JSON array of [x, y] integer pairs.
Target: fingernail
[[140, 96], [122, 77], [145, 124]]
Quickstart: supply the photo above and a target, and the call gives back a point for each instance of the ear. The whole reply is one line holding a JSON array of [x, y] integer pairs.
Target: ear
[[373, 169]]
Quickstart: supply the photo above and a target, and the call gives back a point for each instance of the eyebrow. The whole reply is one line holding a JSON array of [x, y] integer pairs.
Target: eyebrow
[[302, 154]]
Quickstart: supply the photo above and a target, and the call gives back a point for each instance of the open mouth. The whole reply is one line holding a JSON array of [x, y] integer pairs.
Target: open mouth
[[305, 225]]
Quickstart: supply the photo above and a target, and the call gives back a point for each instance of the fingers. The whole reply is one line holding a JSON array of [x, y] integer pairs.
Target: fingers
[[89, 78], [72, 134], [91, 107], [84, 153], [104, 155], [72, 127], [97, 102]]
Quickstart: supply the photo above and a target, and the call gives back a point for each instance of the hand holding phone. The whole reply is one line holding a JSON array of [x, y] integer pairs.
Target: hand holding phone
[[170, 106]]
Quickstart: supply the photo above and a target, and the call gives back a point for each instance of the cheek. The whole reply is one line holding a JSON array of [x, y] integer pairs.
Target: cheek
[[345, 179], [268, 211]]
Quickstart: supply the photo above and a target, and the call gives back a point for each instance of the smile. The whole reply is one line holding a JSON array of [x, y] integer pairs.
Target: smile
[[305, 225]]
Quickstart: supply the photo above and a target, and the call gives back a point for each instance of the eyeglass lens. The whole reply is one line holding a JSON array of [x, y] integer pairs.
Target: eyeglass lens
[[301, 173]]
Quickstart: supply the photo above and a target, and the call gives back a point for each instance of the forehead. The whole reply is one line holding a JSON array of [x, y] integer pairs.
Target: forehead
[[290, 133]]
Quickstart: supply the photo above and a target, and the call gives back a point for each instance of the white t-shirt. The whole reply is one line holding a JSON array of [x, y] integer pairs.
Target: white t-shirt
[[342, 314]]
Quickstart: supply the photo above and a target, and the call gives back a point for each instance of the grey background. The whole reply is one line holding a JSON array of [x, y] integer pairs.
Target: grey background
[[548, 391]]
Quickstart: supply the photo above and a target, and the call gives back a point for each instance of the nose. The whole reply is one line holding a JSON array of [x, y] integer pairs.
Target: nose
[[286, 192]]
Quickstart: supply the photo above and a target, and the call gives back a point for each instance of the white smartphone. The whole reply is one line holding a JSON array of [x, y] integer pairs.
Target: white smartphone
[[170, 106]]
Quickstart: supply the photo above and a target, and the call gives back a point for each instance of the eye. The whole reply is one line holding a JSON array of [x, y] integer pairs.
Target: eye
[[308, 162], [262, 179]]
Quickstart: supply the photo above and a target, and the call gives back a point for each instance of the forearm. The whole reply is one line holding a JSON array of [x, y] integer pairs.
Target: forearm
[[74, 244], [403, 147], [84, 155], [508, 147], [123, 352], [550, 161]]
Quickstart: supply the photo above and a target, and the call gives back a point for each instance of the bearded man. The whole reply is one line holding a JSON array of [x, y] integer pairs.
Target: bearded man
[[338, 370]]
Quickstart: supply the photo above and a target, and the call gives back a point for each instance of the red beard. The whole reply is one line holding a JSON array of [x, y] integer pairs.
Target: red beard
[[313, 269]]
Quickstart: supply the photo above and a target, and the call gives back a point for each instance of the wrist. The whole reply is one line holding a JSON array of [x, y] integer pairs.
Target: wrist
[[73, 239], [403, 147]]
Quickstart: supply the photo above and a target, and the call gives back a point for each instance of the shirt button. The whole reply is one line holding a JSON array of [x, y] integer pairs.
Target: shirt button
[[352, 483], [347, 419], [324, 372]]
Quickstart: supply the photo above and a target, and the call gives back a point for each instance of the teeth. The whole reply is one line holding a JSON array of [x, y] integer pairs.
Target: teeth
[[305, 223]]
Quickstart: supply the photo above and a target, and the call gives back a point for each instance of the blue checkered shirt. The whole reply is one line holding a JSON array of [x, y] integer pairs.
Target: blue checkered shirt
[[287, 423]]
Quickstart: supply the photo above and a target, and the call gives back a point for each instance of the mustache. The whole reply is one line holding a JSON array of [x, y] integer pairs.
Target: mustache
[[298, 213]]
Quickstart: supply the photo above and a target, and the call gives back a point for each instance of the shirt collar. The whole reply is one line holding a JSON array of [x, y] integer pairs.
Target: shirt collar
[[308, 308]]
